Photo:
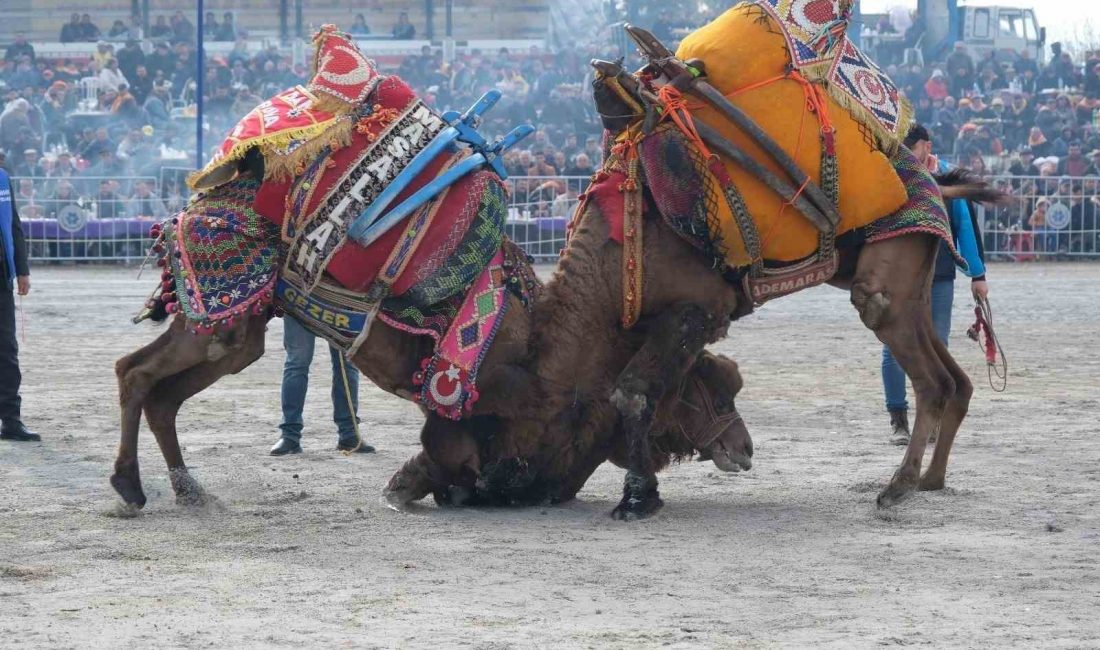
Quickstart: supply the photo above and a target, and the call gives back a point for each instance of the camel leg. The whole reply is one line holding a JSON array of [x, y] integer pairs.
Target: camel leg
[[675, 339], [957, 406], [168, 395], [891, 290], [173, 351]]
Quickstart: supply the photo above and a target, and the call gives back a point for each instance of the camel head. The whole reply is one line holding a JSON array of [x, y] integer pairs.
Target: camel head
[[707, 409]]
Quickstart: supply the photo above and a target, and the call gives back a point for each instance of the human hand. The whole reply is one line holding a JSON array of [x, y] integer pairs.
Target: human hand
[[23, 285], [980, 289]]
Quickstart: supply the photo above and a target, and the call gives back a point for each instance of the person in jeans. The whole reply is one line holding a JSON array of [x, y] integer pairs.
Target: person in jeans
[[298, 343], [965, 231]]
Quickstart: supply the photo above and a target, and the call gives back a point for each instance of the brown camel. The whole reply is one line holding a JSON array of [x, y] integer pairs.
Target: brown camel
[[159, 377]]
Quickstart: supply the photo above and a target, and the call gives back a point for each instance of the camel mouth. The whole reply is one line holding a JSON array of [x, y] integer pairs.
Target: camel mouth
[[731, 462]]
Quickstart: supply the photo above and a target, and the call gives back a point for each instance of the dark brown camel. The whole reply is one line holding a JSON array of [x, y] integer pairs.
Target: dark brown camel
[[159, 377]]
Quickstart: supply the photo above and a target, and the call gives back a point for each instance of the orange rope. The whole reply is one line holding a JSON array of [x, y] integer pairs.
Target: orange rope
[[674, 103]]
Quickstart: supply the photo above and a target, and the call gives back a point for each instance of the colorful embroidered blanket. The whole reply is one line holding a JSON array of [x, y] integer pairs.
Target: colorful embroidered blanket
[[748, 60], [220, 258], [294, 125], [923, 212], [686, 209], [815, 32]]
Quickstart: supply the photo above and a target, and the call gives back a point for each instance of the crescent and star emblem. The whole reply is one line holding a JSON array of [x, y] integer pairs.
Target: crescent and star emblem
[[452, 373]]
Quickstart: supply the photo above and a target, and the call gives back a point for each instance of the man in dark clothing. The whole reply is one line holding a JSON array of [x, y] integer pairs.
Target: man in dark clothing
[[71, 31], [16, 274], [19, 48]]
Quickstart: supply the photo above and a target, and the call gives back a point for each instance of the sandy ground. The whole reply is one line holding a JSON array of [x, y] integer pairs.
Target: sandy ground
[[793, 553]]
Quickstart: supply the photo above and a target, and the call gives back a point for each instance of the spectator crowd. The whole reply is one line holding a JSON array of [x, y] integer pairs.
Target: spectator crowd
[[75, 126]]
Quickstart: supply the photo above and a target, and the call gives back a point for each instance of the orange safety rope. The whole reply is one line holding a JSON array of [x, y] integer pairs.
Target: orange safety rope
[[676, 107]]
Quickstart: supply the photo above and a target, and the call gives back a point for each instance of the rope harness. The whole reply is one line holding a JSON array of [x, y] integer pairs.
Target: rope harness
[[982, 333], [719, 422]]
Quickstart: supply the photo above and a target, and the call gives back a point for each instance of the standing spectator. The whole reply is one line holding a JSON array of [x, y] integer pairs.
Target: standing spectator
[[28, 198], [965, 232], [156, 107], [360, 27], [404, 30], [141, 84], [129, 58], [1045, 240], [89, 33], [14, 122], [71, 31], [299, 344], [161, 60], [19, 48], [16, 274], [960, 68]]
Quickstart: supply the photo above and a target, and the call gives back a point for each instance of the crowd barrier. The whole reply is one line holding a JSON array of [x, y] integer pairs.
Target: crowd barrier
[[1044, 218]]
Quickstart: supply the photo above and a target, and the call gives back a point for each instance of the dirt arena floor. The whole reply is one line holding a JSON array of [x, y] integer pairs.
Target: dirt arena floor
[[302, 553]]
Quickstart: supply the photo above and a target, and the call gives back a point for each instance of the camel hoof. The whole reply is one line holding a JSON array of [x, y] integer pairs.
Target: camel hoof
[[633, 508], [893, 494], [129, 488], [931, 483]]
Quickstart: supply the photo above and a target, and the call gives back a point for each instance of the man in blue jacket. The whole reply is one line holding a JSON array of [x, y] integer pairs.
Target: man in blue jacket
[[968, 241], [15, 274]]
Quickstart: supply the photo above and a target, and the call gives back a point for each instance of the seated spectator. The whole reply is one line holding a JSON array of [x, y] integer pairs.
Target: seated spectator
[[111, 77], [64, 195], [1074, 163], [26, 197], [141, 84], [1037, 142], [228, 30], [1024, 164], [14, 125], [1094, 163], [71, 31], [359, 27], [19, 48], [89, 33], [100, 142], [182, 29], [160, 28], [210, 27], [404, 30], [161, 60], [63, 167], [108, 202], [145, 203], [1060, 146], [104, 51], [30, 166], [118, 31], [936, 86]]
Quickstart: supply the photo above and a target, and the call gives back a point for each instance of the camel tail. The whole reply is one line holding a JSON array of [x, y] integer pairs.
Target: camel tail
[[964, 184]]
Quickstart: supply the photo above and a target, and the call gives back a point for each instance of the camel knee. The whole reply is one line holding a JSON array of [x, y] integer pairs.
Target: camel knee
[[871, 305], [937, 390]]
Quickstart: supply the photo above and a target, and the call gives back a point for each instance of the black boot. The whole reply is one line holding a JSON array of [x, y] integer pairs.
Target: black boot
[[899, 422], [16, 430]]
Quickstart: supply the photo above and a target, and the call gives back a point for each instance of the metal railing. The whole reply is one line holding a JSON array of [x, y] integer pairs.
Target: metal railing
[[108, 219]]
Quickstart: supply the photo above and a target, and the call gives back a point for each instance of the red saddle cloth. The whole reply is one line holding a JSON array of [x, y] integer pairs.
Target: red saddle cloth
[[353, 266]]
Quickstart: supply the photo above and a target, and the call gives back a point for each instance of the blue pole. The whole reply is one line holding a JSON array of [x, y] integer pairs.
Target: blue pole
[[200, 67]]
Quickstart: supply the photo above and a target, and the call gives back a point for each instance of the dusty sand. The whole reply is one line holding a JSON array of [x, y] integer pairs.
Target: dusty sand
[[793, 553]]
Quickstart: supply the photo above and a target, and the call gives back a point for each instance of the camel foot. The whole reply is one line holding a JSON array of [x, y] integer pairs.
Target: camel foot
[[894, 493], [408, 484], [128, 486], [929, 482], [640, 499]]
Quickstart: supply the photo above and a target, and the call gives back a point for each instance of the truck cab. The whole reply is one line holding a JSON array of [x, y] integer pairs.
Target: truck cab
[[1007, 30]]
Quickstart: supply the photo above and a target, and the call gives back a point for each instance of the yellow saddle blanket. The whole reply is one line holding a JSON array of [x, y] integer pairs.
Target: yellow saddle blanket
[[747, 59]]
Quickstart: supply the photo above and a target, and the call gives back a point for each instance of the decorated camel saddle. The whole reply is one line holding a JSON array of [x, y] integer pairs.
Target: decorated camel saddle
[[346, 202], [767, 136]]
